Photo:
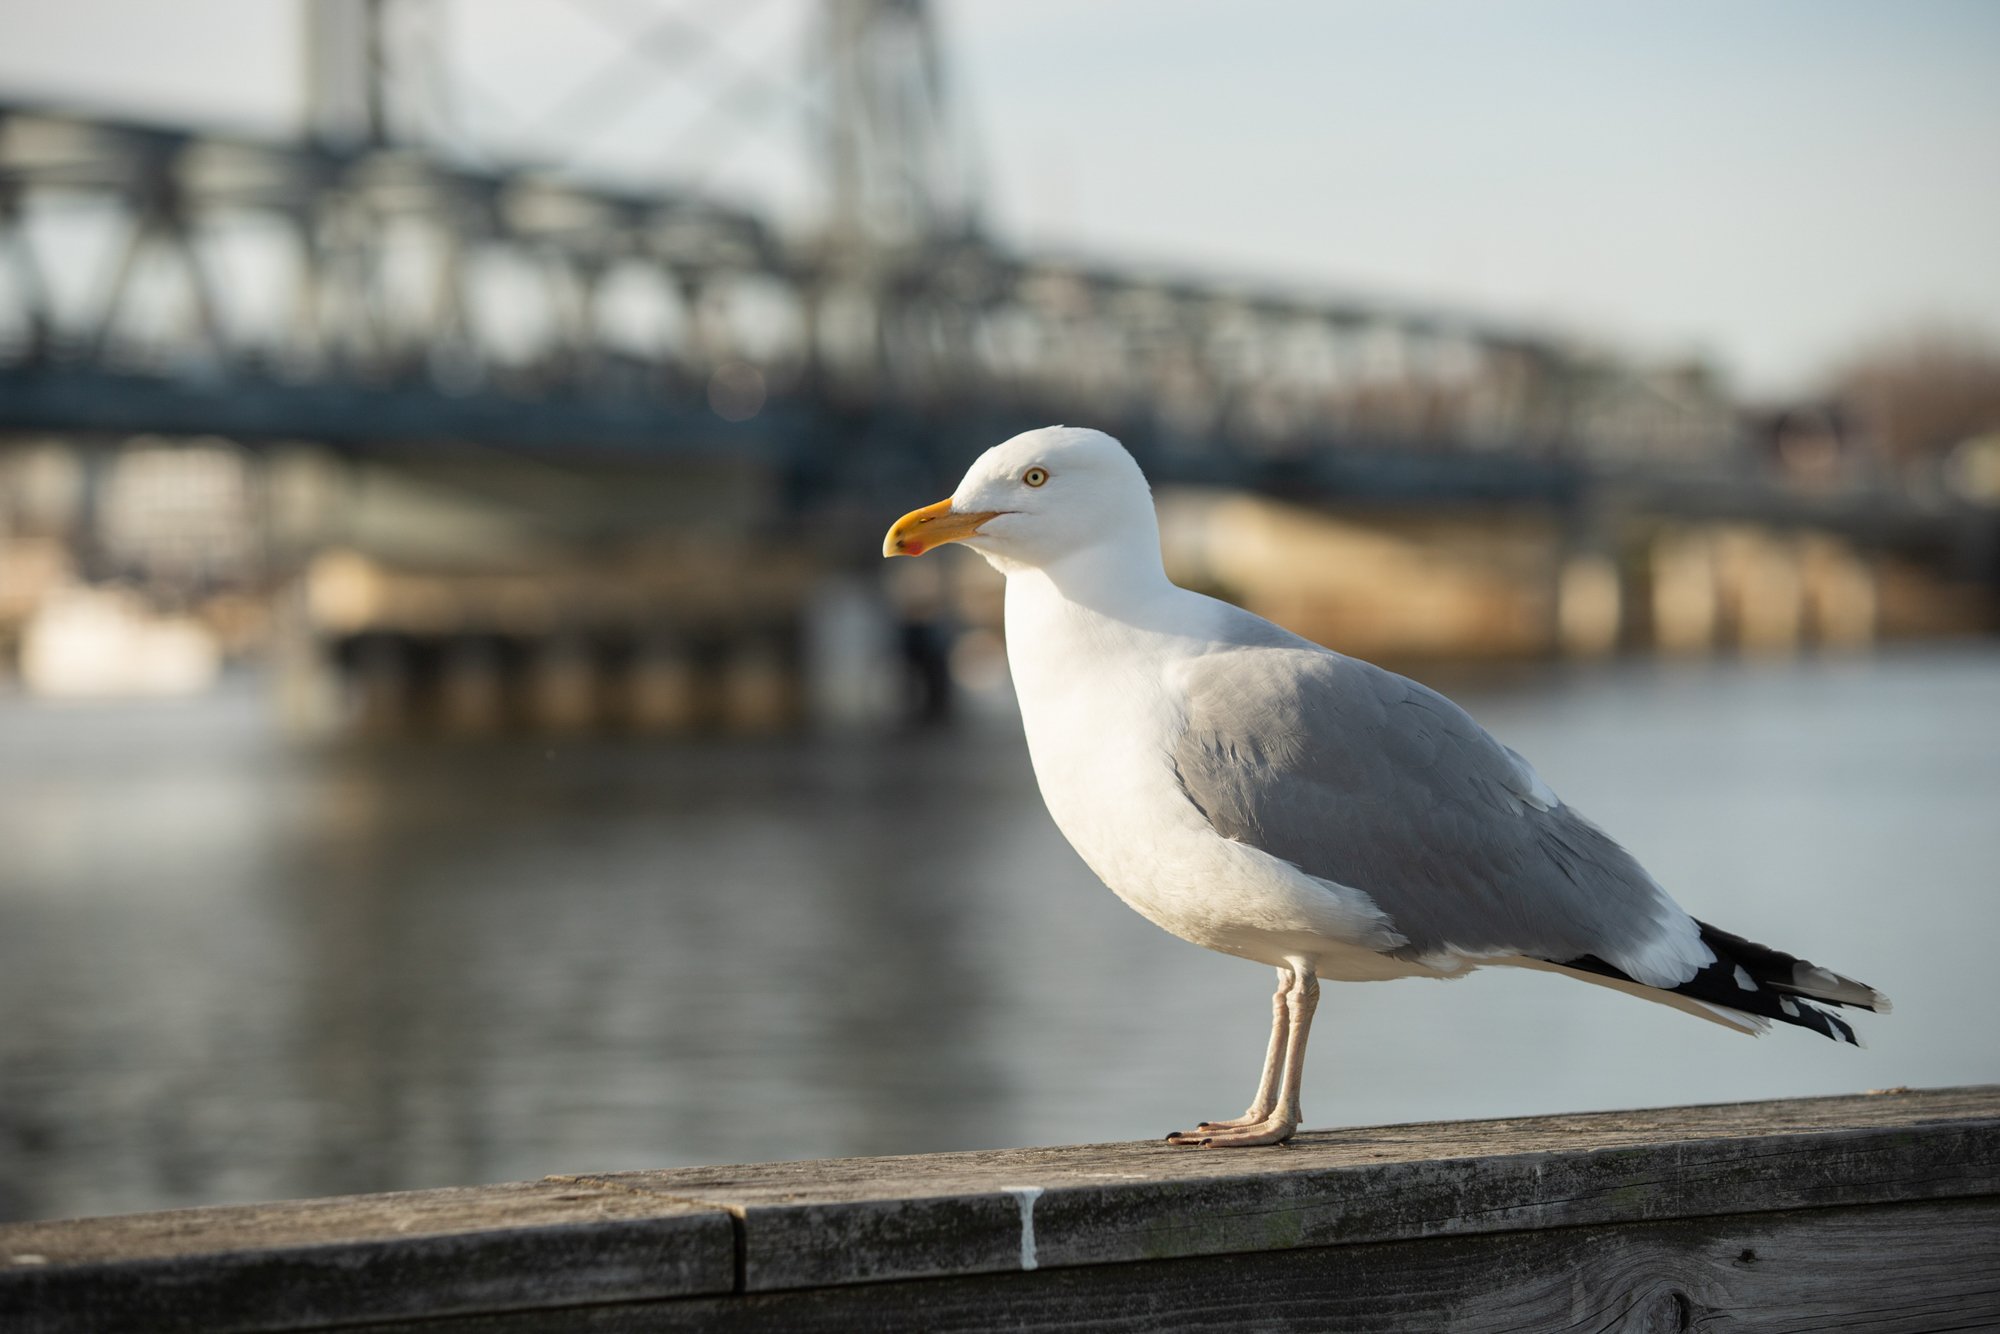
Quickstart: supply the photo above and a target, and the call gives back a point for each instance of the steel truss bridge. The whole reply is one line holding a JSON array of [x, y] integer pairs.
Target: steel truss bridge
[[363, 288], [374, 297]]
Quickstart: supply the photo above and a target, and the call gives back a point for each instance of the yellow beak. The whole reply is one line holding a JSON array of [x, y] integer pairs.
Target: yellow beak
[[933, 526]]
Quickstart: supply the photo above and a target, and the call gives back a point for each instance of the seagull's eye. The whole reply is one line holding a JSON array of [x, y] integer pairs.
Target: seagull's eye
[[1035, 476]]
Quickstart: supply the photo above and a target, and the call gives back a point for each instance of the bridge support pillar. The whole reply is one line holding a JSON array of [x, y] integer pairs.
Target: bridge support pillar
[[1686, 611], [1842, 602], [1590, 605], [662, 690], [563, 685], [472, 687]]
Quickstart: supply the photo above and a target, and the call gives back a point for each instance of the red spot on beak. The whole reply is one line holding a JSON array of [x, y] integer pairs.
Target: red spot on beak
[[913, 548]]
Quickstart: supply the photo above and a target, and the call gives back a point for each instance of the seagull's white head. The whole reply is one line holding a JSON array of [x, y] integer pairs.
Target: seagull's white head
[[1036, 499]]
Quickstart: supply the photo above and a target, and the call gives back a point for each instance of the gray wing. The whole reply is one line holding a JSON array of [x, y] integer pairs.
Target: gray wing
[[1359, 776]]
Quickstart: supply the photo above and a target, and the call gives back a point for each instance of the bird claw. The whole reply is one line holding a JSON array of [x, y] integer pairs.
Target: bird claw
[[1215, 1135], [1204, 1132], [1236, 1122]]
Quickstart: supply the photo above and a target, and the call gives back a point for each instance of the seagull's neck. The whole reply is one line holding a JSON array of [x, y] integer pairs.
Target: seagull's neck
[[1117, 580], [1101, 593]]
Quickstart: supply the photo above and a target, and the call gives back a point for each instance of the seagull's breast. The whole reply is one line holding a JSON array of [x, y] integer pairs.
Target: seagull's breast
[[1101, 705], [1096, 710]]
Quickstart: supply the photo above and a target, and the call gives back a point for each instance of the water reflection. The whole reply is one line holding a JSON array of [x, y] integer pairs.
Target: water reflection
[[230, 970]]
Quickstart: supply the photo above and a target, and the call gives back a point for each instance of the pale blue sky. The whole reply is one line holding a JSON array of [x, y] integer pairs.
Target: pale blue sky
[[1771, 183]]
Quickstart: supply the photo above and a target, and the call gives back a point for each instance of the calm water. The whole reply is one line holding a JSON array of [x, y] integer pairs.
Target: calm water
[[235, 970]]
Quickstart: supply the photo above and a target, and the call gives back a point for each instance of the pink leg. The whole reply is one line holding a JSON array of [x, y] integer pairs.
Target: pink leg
[[1267, 1086], [1300, 1002]]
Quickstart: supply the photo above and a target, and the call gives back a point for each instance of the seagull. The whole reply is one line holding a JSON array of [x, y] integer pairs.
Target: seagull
[[1257, 794]]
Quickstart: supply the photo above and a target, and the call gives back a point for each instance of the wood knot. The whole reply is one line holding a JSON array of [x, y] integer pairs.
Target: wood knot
[[1669, 1312]]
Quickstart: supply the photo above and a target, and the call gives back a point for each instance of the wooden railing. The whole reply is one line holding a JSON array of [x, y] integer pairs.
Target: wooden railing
[[1877, 1212]]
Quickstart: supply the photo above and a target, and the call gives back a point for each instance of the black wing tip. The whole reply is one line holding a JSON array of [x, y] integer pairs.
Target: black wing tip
[[1790, 975], [1721, 985]]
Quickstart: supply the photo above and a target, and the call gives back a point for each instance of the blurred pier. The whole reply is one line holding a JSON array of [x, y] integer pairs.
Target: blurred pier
[[481, 446]]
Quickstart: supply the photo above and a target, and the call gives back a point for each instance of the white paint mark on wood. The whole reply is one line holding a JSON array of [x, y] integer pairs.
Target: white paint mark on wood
[[1026, 1196]]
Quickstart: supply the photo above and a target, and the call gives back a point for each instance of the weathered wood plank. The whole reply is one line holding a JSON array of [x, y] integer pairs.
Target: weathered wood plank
[[871, 1219], [564, 1246], [313, 1263], [1890, 1269]]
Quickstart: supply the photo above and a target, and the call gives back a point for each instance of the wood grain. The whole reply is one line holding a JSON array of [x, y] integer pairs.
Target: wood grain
[[311, 1263], [1894, 1269]]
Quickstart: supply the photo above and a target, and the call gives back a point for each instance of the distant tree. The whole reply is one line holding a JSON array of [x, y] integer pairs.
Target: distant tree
[[1920, 395]]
